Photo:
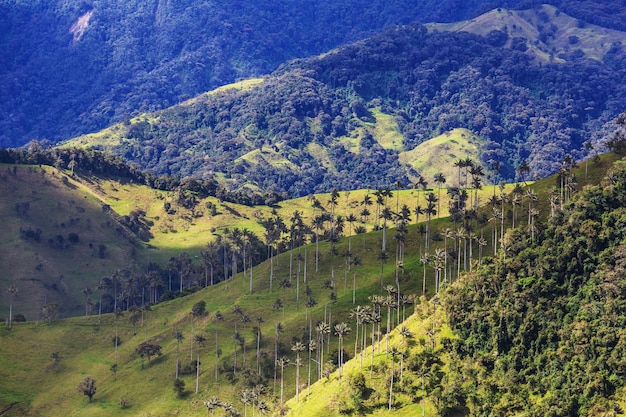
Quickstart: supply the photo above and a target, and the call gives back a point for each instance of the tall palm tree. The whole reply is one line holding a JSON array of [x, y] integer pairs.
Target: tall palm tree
[[282, 362], [312, 346], [278, 329], [440, 179], [211, 404], [341, 331], [298, 347], [246, 398], [257, 329], [318, 224], [386, 215], [102, 287], [393, 352], [11, 290], [178, 335], [406, 334], [459, 163], [322, 328], [430, 211], [350, 219]]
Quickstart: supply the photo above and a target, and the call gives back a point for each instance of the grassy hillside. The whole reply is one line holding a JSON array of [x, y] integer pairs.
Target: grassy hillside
[[439, 154], [550, 34], [44, 205], [56, 241], [43, 385], [86, 348]]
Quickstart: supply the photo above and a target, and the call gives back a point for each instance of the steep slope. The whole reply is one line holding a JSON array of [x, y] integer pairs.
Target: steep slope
[[536, 330], [57, 241], [456, 370], [342, 119], [549, 34], [68, 67]]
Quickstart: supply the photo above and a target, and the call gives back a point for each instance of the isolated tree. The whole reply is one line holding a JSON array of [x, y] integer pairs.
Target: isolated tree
[[179, 387], [148, 350], [56, 357], [87, 387], [11, 290]]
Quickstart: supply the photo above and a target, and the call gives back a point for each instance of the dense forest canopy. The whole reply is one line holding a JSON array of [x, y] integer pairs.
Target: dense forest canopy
[[545, 320], [309, 127], [68, 67]]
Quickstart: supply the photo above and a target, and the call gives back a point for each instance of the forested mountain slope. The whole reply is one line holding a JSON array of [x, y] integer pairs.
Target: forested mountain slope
[[345, 118], [69, 67], [541, 327]]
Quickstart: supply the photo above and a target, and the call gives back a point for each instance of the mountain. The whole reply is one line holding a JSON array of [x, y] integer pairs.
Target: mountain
[[355, 116], [535, 327], [91, 233], [69, 68]]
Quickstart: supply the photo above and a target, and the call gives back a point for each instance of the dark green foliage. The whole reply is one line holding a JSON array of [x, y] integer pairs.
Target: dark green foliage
[[88, 387], [430, 82], [547, 320], [148, 350], [135, 56], [179, 388], [199, 309]]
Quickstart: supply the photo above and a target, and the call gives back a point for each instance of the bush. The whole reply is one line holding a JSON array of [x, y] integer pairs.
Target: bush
[[179, 387]]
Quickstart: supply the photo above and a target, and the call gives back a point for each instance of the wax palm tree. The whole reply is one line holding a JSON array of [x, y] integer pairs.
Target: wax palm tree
[[298, 347], [318, 224], [211, 404], [178, 335], [430, 211], [312, 346], [322, 328], [278, 329], [341, 331], [440, 179], [390, 302], [406, 334], [257, 329], [356, 314], [350, 219], [282, 362], [102, 287], [386, 215], [246, 397], [11, 290], [393, 352]]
